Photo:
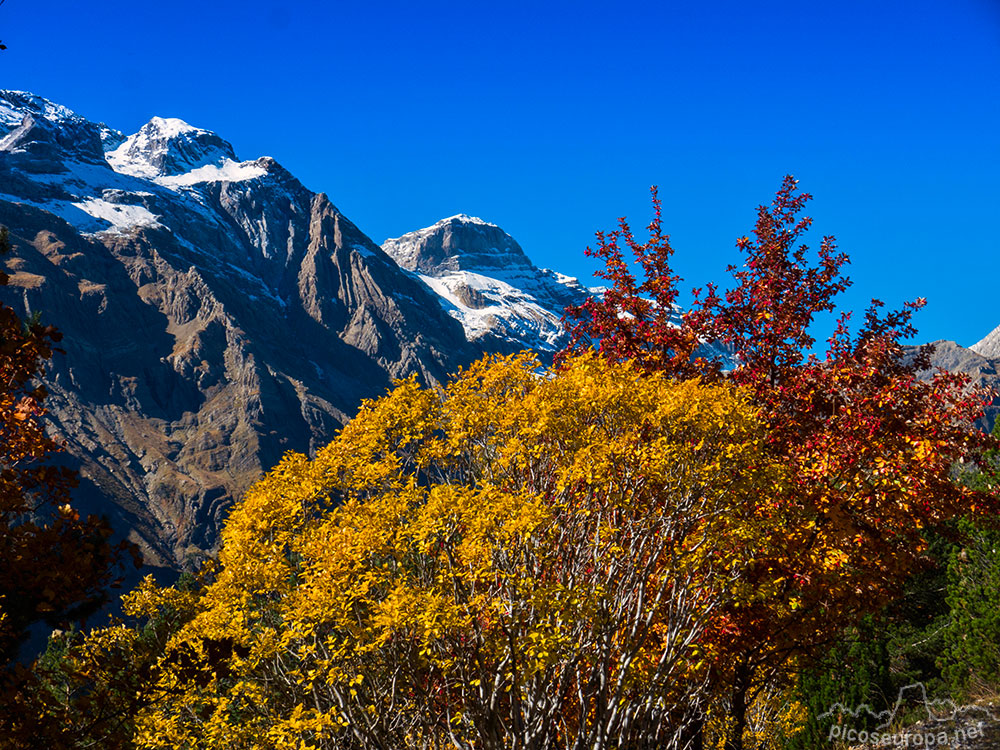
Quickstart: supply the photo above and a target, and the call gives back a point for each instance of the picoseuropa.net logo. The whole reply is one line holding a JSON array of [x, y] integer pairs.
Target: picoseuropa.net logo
[[946, 724]]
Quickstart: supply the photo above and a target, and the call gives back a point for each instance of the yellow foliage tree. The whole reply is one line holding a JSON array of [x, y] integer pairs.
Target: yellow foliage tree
[[524, 559]]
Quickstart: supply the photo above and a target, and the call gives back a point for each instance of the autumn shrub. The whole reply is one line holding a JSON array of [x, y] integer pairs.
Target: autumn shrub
[[525, 559], [88, 688], [941, 632]]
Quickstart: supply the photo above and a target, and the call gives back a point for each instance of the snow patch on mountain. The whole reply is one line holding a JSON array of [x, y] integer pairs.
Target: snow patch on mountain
[[490, 307], [227, 171], [119, 216], [94, 215]]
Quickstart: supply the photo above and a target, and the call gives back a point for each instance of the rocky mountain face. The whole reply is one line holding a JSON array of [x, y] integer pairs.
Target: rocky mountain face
[[215, 313], [486, 282], [983, 371], [982, 362]]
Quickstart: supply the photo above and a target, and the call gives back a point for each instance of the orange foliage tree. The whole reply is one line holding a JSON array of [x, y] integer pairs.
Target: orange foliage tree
[[870, 447]]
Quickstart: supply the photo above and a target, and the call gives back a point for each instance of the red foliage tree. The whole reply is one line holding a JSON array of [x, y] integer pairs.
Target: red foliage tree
[[870, 447]]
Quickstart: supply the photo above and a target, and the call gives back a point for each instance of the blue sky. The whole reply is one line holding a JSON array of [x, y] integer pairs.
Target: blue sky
[[553, 119]]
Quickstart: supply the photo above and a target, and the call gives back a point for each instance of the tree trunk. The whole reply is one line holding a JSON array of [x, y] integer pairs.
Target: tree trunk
[[698, 736], [738, 708]]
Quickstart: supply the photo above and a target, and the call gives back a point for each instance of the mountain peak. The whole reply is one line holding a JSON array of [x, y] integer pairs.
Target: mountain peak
[[464, 219], [168, 146], [458, 243], [171, 126]]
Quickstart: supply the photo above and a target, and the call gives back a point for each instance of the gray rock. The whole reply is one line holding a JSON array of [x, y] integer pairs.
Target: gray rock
[[982, 371]]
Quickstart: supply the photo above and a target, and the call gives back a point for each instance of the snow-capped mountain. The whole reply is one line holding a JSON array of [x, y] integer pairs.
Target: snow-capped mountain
[[486, 282], [215, 313]]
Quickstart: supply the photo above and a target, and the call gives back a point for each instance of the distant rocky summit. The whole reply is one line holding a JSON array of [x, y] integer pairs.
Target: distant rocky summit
[[485, 281]]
